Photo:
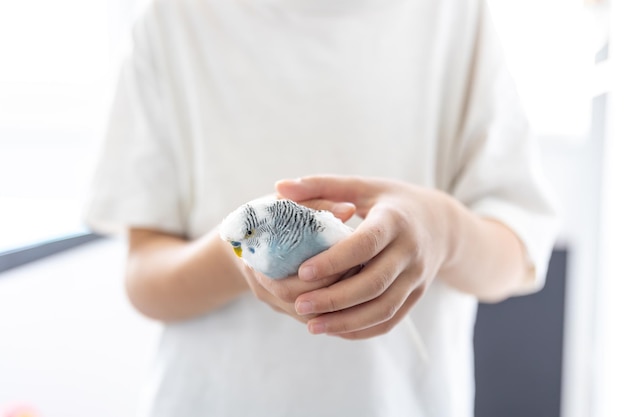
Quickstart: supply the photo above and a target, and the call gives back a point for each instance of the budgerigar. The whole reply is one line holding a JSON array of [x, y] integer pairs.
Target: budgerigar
[[275, 236]]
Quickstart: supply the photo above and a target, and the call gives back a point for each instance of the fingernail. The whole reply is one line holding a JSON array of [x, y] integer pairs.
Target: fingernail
[[304, 307], [317, 327], [307, 273], [289, 181], [343, 208]]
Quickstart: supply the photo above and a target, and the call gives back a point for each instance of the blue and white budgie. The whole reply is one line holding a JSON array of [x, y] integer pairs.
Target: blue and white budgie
[[275, 236]]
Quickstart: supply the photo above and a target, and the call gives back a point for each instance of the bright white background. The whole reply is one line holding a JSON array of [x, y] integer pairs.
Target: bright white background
[[69, 343], [57, 66]]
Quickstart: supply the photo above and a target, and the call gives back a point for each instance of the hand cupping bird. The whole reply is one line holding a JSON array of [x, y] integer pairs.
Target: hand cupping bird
[[275, 236]]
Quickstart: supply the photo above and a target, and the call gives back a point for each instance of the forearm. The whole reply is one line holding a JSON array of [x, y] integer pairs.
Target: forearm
[[487, 259], [169, 278]]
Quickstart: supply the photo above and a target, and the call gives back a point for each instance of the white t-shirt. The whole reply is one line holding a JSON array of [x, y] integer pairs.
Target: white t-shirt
[[221, 98]]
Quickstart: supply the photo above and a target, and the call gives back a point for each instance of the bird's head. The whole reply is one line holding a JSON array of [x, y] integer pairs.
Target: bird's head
[[240, 227]]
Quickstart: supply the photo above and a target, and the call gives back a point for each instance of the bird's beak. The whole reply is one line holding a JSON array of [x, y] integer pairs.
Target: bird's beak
[[236, 248]]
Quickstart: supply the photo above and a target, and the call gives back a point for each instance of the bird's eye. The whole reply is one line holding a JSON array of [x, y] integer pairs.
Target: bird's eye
[[248, 233]]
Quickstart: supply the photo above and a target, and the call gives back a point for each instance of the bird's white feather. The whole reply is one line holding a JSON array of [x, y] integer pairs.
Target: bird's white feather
[[275, 236]]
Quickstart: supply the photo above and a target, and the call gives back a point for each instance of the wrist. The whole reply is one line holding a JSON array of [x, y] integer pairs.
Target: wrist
[[454, 218]]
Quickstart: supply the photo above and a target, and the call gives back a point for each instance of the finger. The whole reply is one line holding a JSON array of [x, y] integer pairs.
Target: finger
[[328, 187], [368, 240], [262, 294], [386, 327], [290, 288], [276, 304], [372, 318], [372, 281]]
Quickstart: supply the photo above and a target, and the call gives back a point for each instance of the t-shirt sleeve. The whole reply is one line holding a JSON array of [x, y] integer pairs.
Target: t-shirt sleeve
[[136, 182], [499, 175]]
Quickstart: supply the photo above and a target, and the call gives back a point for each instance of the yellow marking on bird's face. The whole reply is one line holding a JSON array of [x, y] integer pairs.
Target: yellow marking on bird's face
[[237, 250]]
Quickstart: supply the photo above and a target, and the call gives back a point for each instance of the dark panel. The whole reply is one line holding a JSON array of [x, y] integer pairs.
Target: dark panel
[[20, 256], [519, 345]]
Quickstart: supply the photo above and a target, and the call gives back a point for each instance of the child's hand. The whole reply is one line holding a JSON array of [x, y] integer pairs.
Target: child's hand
[[280, 294], [403, 241]]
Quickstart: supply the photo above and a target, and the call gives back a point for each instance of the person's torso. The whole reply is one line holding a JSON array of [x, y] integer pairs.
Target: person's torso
[[259, 91]]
